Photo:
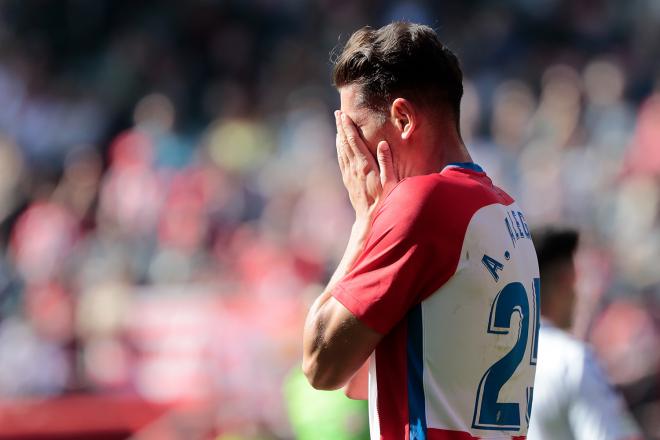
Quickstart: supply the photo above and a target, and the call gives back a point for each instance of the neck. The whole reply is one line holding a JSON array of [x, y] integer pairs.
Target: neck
[[432, 153]]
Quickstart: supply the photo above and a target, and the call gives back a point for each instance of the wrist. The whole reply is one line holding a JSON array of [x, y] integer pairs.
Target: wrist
[[360, 229], [356, 241]]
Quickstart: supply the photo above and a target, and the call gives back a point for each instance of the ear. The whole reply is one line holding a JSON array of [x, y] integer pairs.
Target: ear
[[404, 117]]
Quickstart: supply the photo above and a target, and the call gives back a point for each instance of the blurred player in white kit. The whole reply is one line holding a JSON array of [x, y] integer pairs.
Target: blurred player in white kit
[[572, 397]]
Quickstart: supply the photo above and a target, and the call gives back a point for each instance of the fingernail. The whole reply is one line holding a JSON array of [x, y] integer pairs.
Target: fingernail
[[336, 113], [343, 117]]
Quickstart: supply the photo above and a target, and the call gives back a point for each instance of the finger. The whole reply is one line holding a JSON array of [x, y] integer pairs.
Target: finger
[[342, 141], [386, 164], [353, 138], [339, 144], [341, 159]]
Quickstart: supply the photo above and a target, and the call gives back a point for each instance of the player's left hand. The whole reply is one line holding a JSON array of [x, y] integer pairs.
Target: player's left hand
[[366, 178]]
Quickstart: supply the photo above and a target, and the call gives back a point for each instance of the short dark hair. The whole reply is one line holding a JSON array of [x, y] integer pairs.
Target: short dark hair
[[401, 59], [554, 246]]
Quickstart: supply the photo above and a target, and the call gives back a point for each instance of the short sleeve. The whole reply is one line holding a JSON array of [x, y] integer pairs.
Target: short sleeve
[[598, 411], [400, 263]]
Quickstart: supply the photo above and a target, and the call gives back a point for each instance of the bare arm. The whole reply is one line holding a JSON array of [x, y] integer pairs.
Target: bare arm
[[335, 343]]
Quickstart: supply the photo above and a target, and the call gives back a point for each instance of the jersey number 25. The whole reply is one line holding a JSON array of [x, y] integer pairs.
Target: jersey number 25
[[488, 412]]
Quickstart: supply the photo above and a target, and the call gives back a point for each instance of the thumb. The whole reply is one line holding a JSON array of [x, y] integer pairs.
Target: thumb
[[385, 163]]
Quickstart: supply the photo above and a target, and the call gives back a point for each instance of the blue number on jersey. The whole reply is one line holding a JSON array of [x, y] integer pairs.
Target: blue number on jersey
[[537, 320], [488, 412]]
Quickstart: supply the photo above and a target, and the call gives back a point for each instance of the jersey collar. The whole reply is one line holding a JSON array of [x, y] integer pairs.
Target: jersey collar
[[465, 165]]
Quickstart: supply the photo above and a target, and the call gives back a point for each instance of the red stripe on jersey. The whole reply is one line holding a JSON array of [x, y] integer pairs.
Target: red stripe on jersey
[[392, 386]]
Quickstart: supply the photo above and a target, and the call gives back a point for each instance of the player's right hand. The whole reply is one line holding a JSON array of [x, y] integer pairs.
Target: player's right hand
[[366, 178]]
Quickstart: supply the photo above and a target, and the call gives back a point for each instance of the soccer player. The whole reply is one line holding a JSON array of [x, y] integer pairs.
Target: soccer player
[[438, 287], [572, 398]]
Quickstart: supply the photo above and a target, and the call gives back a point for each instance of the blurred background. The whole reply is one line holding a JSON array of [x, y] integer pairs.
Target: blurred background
[[170, 201]]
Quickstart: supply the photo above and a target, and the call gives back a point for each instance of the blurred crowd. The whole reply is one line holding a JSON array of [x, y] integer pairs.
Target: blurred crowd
[[170, 201]]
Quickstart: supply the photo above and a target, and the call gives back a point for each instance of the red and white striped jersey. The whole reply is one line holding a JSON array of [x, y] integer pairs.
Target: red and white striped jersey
[[449, 276]]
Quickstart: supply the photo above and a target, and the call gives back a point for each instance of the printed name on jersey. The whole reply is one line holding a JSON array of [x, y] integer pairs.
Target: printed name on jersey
[[492, 265], [516, 226]]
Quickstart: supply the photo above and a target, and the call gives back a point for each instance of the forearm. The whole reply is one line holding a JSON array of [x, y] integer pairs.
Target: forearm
[[318, 322], [353, 249]]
